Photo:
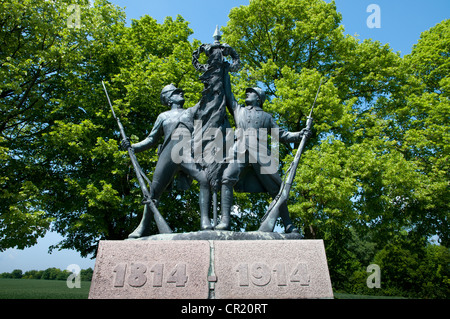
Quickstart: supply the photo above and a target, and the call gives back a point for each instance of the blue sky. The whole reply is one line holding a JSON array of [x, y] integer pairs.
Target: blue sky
[[401, 23]]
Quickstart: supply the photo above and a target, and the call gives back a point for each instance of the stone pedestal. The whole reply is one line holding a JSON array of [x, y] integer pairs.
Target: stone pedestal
[[202, 269]]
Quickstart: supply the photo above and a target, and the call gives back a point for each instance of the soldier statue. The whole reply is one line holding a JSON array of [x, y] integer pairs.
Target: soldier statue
[[252, 116], [166, 168]]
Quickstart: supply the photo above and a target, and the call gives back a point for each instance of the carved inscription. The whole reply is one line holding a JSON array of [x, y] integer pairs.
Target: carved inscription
[[261, 274], [139, 274]]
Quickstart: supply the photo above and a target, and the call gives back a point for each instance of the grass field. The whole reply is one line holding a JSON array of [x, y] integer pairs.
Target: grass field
[[57, 289], [41, 289], [349, 296]]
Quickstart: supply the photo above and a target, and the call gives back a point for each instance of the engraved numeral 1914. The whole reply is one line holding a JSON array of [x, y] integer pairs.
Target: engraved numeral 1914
[[260, 274]]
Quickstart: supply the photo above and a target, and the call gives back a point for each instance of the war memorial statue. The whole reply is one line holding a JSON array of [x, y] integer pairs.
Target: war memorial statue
[[226, 160], [214, 262]]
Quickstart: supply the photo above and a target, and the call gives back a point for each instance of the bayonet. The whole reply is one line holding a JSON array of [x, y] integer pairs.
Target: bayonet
[[273, 212], [163, 228]]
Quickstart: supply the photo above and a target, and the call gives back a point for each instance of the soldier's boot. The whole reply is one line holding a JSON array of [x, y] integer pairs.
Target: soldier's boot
[[143, 228], [289, 227], [205, 204], [226, 203]]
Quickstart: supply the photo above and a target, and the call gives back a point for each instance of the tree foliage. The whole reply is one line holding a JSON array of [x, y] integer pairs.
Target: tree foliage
[[38, 56], [378, 160], [61, 163], [52, 273], [377, 163]]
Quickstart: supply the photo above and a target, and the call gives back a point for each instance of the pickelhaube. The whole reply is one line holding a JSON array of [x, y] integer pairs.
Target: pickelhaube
[[261, 94], [166, 92]]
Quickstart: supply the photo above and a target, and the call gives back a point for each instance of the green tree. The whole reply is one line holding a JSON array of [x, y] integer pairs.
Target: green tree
[[39, 55], [94, 195], [86, 274], [61, 162], [435, 274], [376, 164], [30, 58], [63, 275], [412, 268], [54, 273], [356, 173], [32, 274], [418, 116], [16, 274], [5, 275]]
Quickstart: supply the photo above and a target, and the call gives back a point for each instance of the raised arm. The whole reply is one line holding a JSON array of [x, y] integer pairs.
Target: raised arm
[[231, 102]]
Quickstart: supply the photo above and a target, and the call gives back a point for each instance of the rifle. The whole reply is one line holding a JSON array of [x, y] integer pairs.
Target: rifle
[[271, 216], [160, 222]]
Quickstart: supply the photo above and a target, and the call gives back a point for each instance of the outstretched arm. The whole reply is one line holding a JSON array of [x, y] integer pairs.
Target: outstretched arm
[[151, 140], [290, 137]]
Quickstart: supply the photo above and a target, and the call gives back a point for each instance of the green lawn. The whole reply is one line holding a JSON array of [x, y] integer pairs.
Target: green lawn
[[338, 295], [57, 289], [41, 289]]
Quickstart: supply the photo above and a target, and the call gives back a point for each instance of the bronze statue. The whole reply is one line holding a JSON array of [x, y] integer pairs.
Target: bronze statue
[[244, 165], [252, 116], [166, 168]]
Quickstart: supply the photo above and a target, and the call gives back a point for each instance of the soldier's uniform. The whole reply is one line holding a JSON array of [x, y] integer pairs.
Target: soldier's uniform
[[166, 169], [250, 119]]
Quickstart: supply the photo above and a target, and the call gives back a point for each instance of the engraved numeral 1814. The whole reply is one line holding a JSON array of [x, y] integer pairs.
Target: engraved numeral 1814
[[137, 275]]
